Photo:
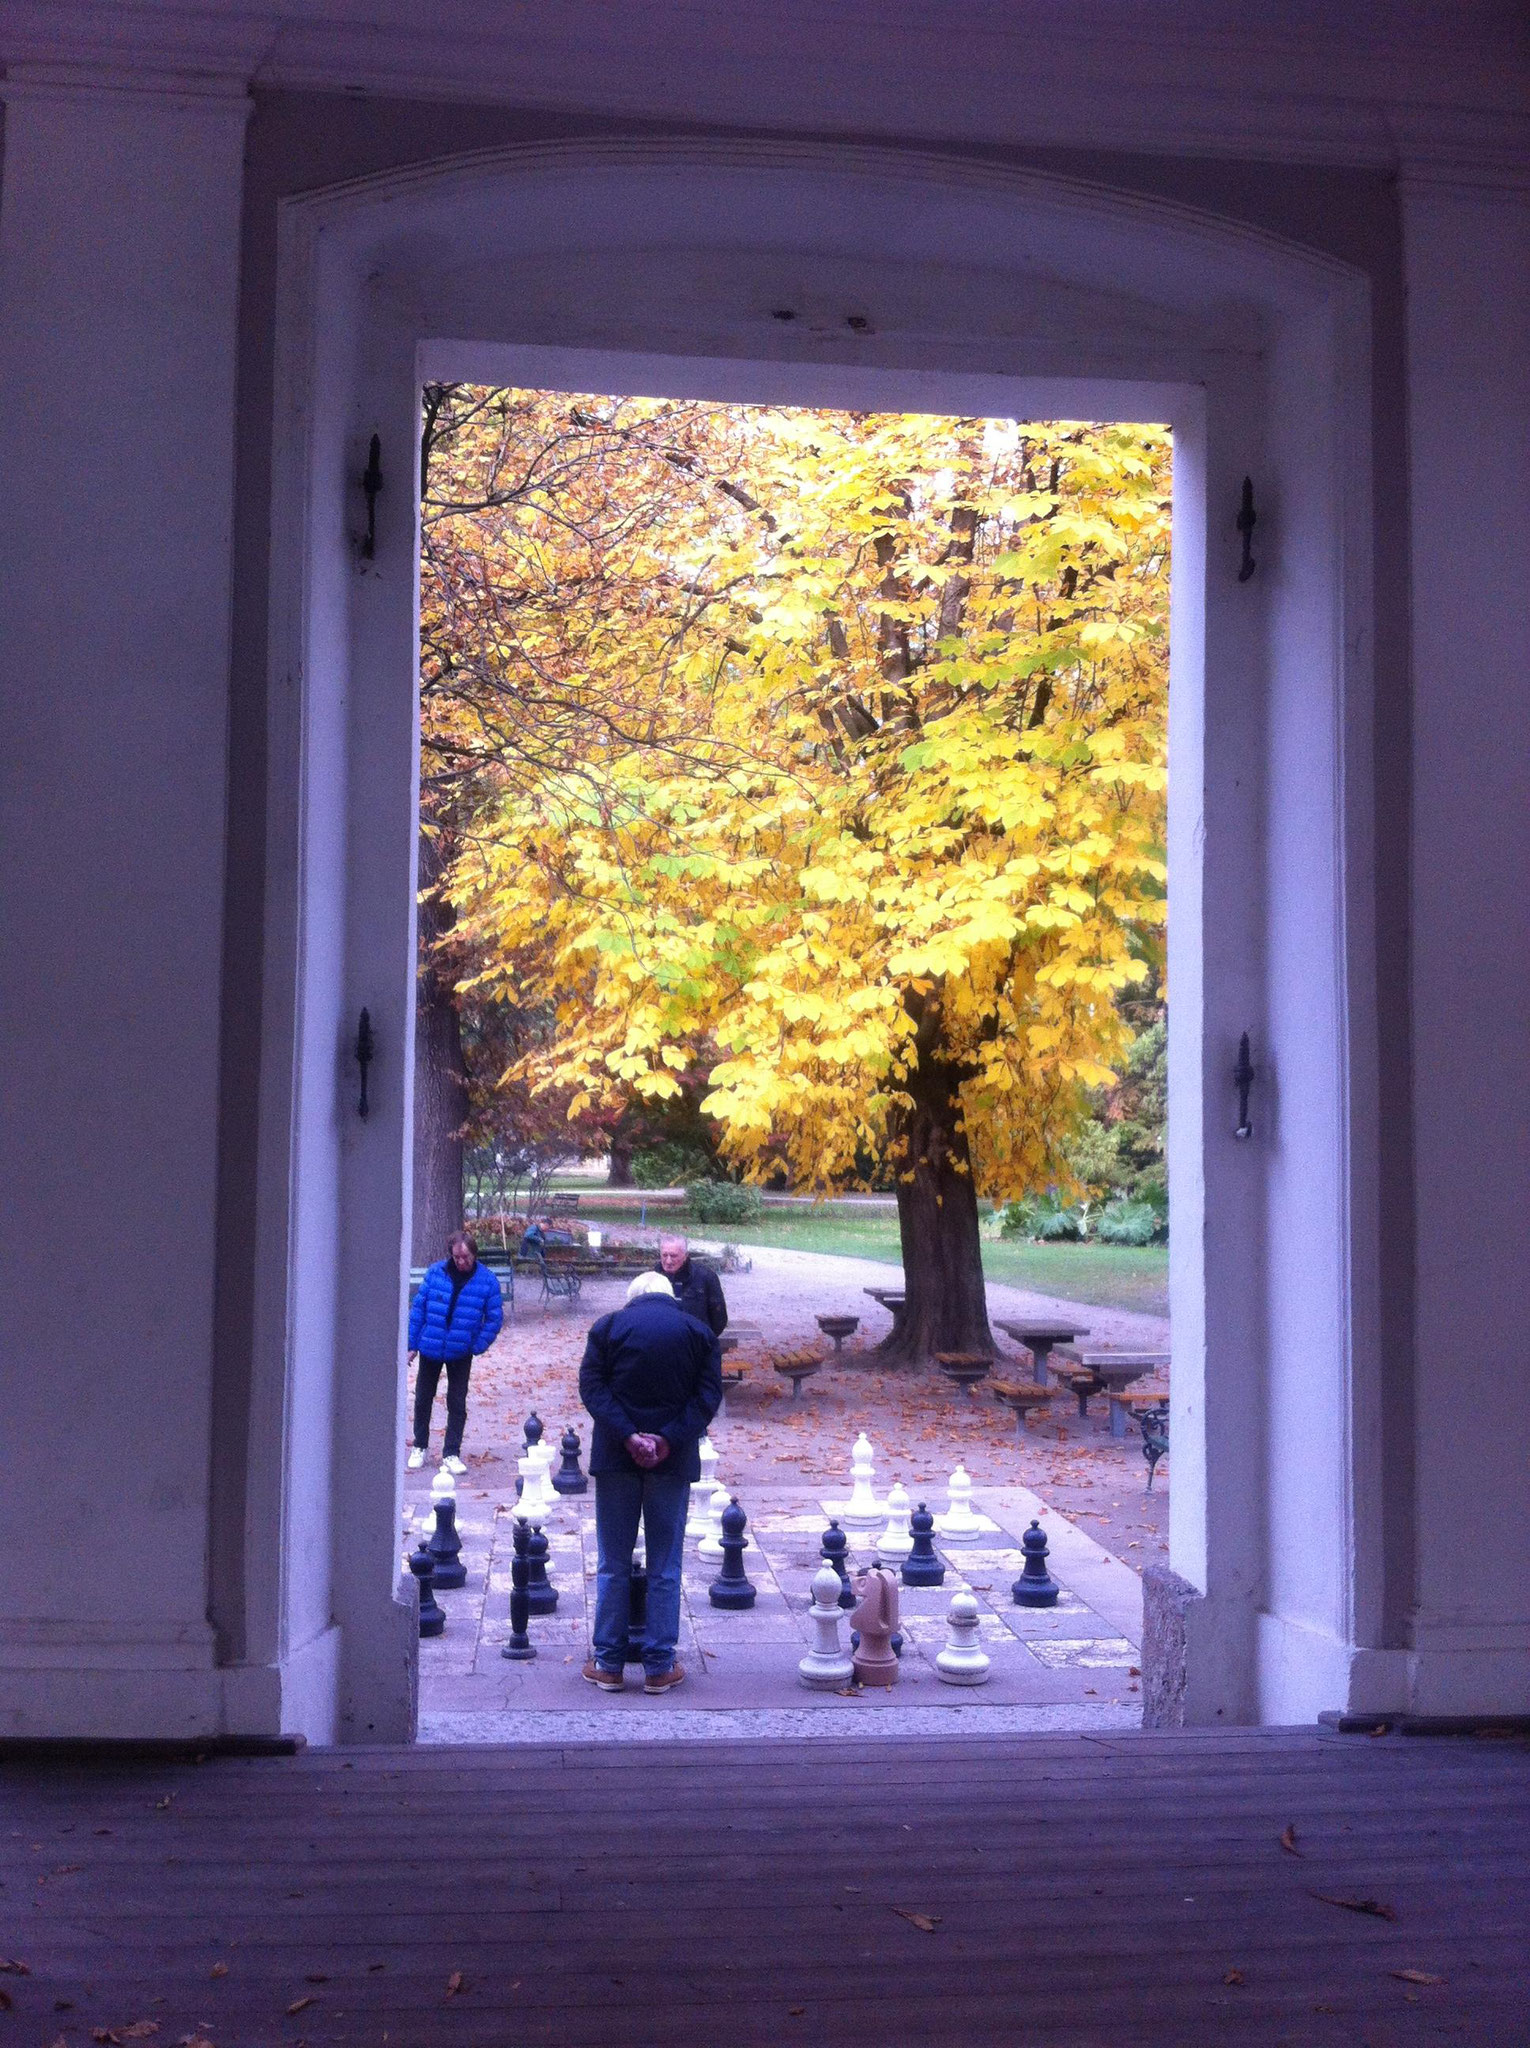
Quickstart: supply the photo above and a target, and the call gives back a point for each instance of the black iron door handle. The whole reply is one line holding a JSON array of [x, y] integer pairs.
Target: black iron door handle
[[1243, 1080]]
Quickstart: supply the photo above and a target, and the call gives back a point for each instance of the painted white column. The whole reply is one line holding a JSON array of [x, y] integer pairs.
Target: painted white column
[[1468, 271], [119, 255]]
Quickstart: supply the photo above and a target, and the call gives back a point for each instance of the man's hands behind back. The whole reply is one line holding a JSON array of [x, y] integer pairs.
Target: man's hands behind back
[[646, 1450]]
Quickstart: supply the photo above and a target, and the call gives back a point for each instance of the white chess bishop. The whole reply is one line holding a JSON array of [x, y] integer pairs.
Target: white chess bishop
[[963, 1661], [896, 1540], [827, 1666], [960, 1524], [862, 1510]]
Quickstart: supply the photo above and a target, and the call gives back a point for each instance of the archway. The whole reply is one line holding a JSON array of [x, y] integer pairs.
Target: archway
[[658, 266]]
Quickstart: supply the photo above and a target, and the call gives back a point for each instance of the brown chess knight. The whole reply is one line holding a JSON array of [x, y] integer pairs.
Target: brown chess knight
[[876, 1617]]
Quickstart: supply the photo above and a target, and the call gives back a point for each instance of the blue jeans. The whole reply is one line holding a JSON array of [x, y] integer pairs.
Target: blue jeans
[[661, 1498]]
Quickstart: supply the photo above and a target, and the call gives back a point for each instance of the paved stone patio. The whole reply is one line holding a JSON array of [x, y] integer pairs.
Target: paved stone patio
[[1069, 1666]]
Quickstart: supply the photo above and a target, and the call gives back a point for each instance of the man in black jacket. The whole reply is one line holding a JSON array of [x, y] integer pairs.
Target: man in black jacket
[[652, 1380], [697, 1288]]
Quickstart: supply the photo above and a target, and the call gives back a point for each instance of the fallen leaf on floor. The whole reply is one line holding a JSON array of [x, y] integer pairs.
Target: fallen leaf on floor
[[300, 2005], [14, 1969], [219, 1970], [140, 2030], [315, 1977], [1232, 1977], [1288, 1841], [1418, 1977], [168, 1800], [454, 1984], [1372, 1906], [795, 2012], [922, 1921]]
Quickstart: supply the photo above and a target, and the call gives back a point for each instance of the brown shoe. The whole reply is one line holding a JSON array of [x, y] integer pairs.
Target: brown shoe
[[597, 1674], [664, 1681]]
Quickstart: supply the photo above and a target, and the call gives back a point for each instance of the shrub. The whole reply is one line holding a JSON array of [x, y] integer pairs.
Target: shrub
[[1042, 1218], [669, 1165], [723, 1201], [1128, 1223]]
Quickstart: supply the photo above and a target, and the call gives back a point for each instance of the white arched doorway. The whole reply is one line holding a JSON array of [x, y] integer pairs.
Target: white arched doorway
[[657, 267]]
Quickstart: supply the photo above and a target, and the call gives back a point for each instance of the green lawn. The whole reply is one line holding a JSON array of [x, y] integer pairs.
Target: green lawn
[[1114, 1276]]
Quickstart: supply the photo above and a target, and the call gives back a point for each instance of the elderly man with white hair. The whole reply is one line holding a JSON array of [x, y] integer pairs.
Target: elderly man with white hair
[[652, 1380]]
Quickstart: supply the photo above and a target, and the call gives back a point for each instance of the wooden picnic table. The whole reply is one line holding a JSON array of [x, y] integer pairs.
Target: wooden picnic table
[[1038, 1339], [1100, 1372]]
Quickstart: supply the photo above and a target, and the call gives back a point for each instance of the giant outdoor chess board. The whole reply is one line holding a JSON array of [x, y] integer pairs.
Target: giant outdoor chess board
[[1072, 1664]]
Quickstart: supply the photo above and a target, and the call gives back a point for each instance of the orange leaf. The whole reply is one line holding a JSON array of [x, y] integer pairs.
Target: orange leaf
[[300, 2005], [1288, 1841], [454, 1984], [922, 1921], [1418, 1977], [1232, 1977], [219, 1970]]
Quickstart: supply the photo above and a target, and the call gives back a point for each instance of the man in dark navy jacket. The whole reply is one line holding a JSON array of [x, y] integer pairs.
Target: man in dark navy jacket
[[697, 1288], [652, 1380]]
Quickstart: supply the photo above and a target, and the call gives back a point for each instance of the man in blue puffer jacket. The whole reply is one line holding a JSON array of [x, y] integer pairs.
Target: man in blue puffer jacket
[[454, 1319]]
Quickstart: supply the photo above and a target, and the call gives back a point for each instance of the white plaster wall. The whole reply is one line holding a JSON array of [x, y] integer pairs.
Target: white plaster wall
[[118, 285], [1468, 259]]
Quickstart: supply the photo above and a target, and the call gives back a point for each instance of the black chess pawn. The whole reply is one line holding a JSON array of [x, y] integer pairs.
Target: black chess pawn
[[731, 1588], [1035, 1586], [445, 1547], [637, 1613], [541, 1593], [835, 1544], [568, 1478], [520, 1645], [432, 1617], [922, 1567]]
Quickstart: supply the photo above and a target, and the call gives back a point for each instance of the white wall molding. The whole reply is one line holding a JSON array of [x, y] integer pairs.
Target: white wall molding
[[1446, 84]]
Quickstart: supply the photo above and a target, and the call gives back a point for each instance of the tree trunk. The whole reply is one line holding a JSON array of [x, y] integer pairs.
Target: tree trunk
[[946, 1305], [440, 1077], [619, 1166]]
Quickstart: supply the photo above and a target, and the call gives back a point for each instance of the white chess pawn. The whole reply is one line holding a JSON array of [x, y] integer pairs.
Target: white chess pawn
[[963, 1661], [443, 1486], [826, 1666], [698, 1519], [862, 1510], [711, 1544], [960, 1525], [896, 1539]]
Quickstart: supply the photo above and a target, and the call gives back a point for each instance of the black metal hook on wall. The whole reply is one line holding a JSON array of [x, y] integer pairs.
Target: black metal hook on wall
[[366, 1049], [1247, 521], [372, 483], [1243, 1080]]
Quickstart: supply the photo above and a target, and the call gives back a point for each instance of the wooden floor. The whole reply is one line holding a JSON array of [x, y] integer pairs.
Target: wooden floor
[[1044, 1890]]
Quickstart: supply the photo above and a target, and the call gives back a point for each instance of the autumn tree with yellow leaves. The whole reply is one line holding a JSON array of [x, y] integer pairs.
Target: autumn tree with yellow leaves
[[843, 795]]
